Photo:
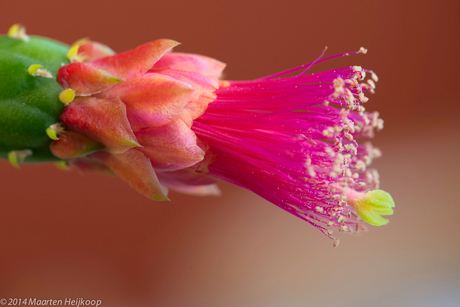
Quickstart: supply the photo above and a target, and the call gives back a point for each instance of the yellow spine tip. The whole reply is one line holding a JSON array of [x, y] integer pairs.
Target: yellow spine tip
[[67, 96], [17, 156], [34, 68], [62, 165], [37, 70], [18, 31], [53, 131], [13, 29], [81, 41], [73, 51], [13, 158]]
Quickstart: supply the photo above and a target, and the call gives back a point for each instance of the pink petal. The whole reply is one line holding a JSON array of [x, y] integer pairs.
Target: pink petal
[[190, 62], [101, 120], [73, 145], [170, 147], [84, 79], [130, 64], [152, 100], [133, 167]]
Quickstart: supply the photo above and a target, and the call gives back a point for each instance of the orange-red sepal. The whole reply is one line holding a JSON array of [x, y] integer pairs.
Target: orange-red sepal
[[134, 168], [89, 164], [101, 120], [132, 63], [203, 65], [193, 180], [73, 145], [152, 100], [199, 82], [203, 95], [84, 79], [89, 50]]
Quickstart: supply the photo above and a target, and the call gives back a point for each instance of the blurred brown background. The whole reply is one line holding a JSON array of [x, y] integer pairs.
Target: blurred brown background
[[68, 235]]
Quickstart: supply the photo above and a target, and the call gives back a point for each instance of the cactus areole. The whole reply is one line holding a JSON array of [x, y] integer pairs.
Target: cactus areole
[[165, 120], [29, 104]]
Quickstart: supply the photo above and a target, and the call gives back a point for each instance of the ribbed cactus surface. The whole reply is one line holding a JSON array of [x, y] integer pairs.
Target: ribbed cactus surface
[[29, 103]]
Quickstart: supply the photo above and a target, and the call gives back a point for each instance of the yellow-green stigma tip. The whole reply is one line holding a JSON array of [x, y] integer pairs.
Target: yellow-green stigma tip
[[372, 205], [67, 96], [17, 31], [73, 51]]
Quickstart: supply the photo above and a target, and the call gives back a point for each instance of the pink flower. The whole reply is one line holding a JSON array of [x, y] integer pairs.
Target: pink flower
[[164, 120]]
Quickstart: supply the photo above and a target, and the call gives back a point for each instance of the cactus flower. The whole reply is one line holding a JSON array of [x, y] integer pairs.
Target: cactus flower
[[164, 120]]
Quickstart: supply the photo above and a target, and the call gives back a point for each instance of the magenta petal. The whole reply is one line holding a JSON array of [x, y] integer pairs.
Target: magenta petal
[[203, 65], [130, 64], [170, 147], [101, 120], [152, 100], [135, 169]]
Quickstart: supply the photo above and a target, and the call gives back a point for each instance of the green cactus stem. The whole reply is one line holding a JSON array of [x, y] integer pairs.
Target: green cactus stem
[[29, 93]]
